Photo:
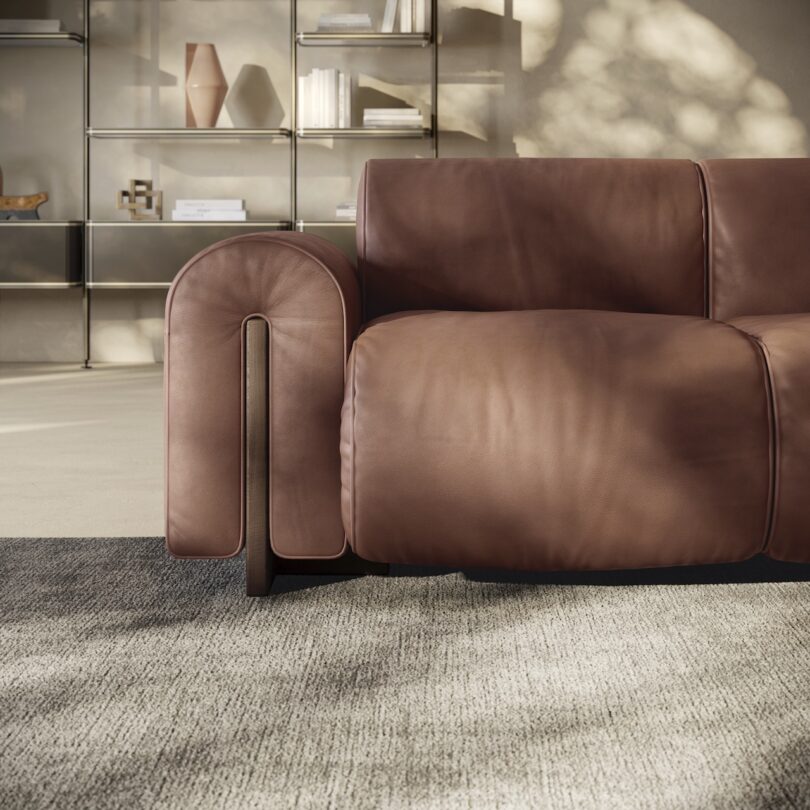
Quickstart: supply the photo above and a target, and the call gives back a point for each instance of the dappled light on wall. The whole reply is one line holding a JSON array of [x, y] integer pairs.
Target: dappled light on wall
[[643, 78]]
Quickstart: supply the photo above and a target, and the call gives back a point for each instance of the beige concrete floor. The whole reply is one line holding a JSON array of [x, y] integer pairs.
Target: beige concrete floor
[[81, 451]]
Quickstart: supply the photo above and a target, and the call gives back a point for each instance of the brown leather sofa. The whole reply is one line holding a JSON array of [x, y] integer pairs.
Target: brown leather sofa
[[538, 364]]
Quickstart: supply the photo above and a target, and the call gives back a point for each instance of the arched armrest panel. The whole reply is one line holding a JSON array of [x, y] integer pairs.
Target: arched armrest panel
[[306, 290]]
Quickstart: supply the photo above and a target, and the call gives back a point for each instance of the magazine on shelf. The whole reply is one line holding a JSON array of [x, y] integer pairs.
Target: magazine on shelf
[[229, 204]]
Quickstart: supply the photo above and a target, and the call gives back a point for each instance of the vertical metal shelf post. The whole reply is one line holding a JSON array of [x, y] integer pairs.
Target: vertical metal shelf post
[[86, 260], [294, 112]]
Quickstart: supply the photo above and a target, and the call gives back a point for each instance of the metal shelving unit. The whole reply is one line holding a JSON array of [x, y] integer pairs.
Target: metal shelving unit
[[108, 250], [221, 133], [41, 254]]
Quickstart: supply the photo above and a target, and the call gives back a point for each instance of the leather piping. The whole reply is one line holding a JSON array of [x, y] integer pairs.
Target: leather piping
[[704, 211], [773, 438], [709, 240], [257, 237]]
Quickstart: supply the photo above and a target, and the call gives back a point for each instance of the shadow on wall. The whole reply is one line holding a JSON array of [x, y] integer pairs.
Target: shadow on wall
[[641, 78]]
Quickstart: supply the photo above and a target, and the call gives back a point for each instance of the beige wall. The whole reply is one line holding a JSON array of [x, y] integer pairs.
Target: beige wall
[[648, 78]]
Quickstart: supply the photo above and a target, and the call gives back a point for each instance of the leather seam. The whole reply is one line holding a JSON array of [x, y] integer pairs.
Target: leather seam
[[362, 263], [353, 500], [709, 239], [704, 211], [773, 435]]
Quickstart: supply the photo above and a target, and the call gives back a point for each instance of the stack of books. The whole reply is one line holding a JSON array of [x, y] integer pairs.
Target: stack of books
[[228, 210], [346, 211], [31, 26], [392, 118], [325, 99], [413, 16], [343, 23]]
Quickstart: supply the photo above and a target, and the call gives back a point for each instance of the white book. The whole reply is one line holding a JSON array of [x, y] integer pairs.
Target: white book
[[333, 98], [420, 16], [406, 16], [301, 101], [182, 215], [389, 16], [391, 112], [321, 83], [229, 204], [312, 101], [31, 26], [341, 105]]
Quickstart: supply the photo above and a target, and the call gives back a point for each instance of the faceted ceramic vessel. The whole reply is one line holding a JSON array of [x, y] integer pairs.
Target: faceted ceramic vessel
[[206, 87]]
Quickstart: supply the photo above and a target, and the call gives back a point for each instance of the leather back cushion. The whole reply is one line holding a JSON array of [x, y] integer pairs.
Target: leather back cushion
[[504, 234], [759, 249]]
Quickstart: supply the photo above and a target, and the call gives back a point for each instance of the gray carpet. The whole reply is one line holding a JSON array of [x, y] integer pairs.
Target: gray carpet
[[129, 680]]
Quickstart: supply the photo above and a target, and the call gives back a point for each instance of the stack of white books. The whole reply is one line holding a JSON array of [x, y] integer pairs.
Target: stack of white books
[[392, 118], [346, 211], [31, 26], [325, 99], [414, 16], [344, 22], [228, 210]]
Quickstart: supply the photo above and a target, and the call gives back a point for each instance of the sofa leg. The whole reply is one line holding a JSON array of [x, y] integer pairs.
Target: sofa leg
[[259, 562]]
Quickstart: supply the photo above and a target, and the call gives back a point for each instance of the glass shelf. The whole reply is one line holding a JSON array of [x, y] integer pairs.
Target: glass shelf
[[40, 254], [368, 39], [125, 257], [60, 40], [365, 132], [190, 133], [303, 224], [163, 223]]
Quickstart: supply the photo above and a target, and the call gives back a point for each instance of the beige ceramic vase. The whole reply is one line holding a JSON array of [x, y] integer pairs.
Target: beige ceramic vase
[[206, 87]]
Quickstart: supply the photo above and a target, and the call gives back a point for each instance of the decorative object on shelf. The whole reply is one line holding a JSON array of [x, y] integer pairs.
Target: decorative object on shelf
[[144, 203], [325, 99], [343, 23], [392, 118], [227, 210], [206, 87], [22, 207]]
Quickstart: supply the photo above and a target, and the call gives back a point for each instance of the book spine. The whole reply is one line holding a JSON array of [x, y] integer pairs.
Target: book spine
[[302, 84], [209, 216], [389, 17], [406, 16], [341, 111]]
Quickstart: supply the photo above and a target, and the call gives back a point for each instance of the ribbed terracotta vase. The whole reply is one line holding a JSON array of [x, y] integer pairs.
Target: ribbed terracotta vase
[[206, 87]]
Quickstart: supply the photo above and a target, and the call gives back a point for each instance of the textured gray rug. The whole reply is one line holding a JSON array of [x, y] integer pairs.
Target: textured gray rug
[[127, 679]]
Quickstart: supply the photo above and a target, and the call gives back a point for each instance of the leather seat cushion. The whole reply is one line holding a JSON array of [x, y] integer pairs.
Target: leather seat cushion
[[785, 340], [555, 440]]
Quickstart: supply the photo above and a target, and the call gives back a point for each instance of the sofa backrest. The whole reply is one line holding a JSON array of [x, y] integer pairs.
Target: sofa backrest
[[501, 234], [759, 239]]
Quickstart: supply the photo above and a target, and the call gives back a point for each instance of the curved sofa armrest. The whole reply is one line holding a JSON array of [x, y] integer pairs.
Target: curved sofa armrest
[[307, 292]]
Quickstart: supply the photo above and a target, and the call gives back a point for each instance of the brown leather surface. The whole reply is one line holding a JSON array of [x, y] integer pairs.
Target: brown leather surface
[[555, 440], [785, 340], [759, 245], [502, 234], [307, 291]]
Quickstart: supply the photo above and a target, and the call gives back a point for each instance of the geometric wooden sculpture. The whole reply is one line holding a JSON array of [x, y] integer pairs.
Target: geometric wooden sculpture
[[142, 202]]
